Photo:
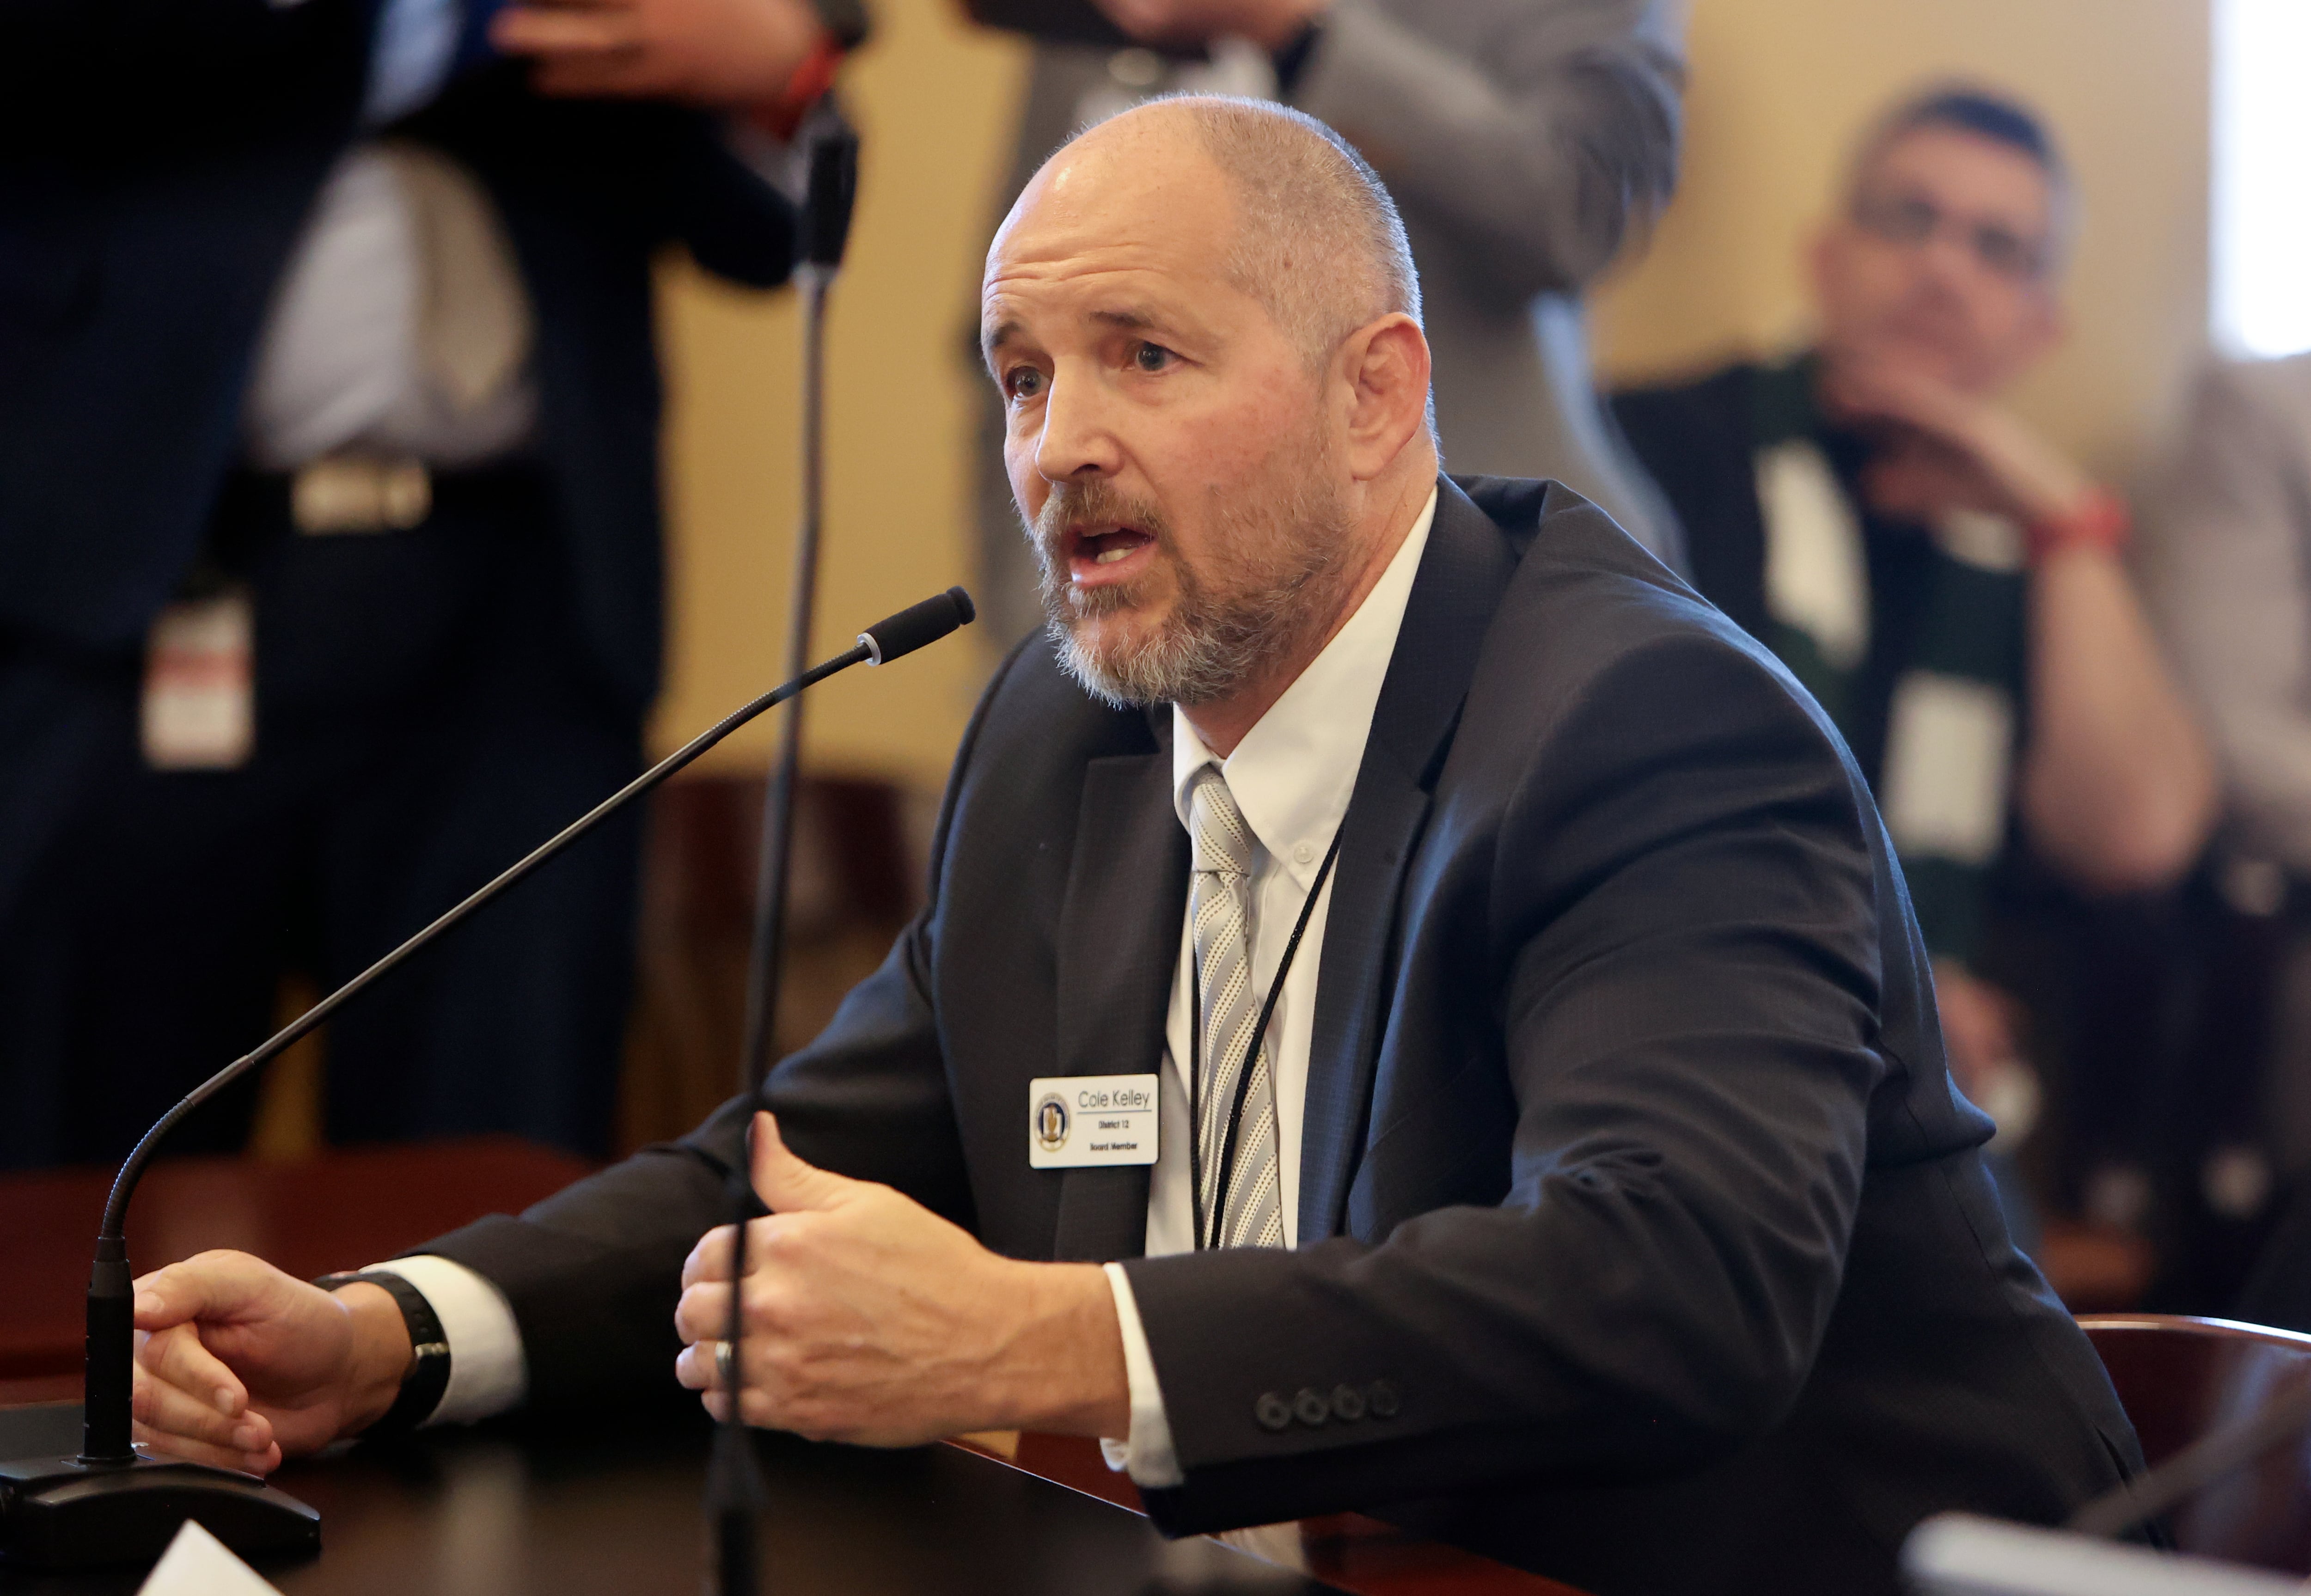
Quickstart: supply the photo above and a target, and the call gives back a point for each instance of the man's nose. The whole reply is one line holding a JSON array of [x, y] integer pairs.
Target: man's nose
[[1947, 260], [1077, 437]]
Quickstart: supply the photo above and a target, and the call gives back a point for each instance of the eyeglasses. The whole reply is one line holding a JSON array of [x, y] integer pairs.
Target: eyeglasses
[[1911, 220]]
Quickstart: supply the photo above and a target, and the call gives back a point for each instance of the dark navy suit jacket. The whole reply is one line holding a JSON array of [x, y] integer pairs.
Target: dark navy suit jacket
[[1631, 1167]]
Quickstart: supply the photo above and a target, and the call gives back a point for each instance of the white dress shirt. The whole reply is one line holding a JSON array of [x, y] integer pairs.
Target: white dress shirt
[[1292, 776], [341, 363], [337, 363]]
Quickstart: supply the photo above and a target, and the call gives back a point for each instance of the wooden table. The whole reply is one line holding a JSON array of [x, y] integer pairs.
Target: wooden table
[[492, 1512], [341, 1210], [507, 1512]]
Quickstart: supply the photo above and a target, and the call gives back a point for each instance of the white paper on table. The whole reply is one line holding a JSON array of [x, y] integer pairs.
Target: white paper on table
[[196, 1564]]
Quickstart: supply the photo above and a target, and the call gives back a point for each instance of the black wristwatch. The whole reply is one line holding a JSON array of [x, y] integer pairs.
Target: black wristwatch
[[429, 1369]]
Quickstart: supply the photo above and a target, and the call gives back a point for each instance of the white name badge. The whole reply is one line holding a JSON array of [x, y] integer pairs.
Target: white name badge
[[1086, 1122]]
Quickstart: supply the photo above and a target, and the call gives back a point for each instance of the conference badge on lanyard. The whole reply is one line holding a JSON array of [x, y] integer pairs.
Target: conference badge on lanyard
[[1087, 1121]]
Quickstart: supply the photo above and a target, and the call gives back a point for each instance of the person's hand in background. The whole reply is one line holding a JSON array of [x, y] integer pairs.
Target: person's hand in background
[[1947, 449], [238, 1364], [726, 54], [1271, 24]]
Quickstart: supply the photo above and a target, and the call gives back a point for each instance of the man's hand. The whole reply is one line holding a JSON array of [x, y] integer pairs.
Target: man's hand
[[238, 1364], [1271, 24], [871, 1319], [1947, 449], [720, 53]]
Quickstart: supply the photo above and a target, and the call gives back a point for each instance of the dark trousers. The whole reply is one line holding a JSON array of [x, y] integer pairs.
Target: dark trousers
[[425, 716]]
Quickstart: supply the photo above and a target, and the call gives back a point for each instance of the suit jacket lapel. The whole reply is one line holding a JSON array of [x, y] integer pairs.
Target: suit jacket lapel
[[1118, 945], [1463, 571]]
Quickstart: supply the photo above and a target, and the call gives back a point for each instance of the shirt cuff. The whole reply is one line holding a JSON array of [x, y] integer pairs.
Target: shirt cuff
[[487, 1372], [1146, 1455]]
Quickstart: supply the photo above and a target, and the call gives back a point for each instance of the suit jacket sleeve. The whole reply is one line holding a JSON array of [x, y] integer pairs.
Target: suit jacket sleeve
[[1541, 157], [1684, 972], [593, 1272], [735, 223]]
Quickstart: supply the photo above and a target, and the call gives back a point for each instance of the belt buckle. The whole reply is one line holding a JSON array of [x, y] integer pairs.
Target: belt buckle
[[340, 493]]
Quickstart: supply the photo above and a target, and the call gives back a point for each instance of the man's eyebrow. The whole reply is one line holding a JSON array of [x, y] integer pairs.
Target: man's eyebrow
[[1131, 318], [995, 335]]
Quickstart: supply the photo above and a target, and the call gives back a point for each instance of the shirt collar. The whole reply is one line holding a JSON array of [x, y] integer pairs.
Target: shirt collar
[[1295, 771]]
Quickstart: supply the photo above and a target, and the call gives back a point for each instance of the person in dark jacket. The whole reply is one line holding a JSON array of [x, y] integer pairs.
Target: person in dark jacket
[[329, 553]]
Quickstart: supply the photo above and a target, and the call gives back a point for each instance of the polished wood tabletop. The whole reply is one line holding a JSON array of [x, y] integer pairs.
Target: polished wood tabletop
[[511, 1513], [340, 1211]]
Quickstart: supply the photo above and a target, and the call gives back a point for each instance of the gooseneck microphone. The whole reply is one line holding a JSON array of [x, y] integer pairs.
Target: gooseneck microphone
[[111, 1503]]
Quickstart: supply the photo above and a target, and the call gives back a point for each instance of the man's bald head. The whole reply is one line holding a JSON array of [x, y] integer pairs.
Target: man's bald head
[[1203, 319], [1318, 240]]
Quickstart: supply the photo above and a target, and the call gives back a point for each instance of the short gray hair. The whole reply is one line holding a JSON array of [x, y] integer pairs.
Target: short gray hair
[[1310, 206]]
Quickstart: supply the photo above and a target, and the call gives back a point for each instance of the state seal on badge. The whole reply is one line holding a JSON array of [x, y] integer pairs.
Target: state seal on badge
[[1052, 1122]]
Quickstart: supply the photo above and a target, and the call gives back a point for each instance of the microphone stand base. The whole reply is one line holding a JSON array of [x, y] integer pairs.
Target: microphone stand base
[[60, 1513]]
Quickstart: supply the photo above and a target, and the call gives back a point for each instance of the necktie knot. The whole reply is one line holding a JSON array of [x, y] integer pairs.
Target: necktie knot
[[1223, 840]]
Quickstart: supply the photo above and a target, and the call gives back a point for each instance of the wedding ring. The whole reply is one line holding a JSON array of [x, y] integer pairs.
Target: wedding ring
[[724, 1360]]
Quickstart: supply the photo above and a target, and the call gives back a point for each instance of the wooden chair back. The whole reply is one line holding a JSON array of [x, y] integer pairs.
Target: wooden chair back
[[2180, 1378]]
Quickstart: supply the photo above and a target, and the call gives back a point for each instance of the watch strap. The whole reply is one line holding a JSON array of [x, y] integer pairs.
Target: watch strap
[[429, 1366]]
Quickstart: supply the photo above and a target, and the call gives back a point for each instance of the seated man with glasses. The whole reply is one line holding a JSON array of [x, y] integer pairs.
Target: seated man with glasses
[[1946, 582]]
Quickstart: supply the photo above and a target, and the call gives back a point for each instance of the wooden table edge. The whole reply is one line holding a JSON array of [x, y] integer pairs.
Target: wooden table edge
[[1355, 1553]]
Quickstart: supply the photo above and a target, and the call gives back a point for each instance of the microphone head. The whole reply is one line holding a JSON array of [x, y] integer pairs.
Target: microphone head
[[916, 624], [832, 192]]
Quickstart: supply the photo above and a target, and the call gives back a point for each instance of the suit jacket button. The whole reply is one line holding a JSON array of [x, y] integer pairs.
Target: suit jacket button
[[1311, 1408], [1272, 1411], [1380, 1399], [1347, 1403]]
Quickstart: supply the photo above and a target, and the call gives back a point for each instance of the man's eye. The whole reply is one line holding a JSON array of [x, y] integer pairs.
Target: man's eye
[[2006, 253], [1151, 357], [1022, 382]]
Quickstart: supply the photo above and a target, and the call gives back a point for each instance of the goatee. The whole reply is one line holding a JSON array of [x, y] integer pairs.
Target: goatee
[[1274, 576]]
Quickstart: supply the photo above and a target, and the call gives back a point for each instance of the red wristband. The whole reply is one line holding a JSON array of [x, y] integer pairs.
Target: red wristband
[[780, 117], [2102, 523]]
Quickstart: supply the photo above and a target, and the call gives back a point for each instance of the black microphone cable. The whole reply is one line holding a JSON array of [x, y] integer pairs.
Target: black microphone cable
[[734, 1489]]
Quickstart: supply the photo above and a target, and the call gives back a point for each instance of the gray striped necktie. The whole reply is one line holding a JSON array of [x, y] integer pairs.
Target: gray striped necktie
[[1220, 903]]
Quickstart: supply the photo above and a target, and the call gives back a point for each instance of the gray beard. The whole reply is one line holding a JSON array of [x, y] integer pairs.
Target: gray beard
[[1288, 562]]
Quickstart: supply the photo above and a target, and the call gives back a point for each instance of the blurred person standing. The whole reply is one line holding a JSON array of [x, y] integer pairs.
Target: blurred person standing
[[1524, 141], [329, 558], [1945, 581], [2226, 567]]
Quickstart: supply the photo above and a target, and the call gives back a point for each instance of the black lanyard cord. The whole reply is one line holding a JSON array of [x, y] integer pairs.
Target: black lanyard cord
[[1250, 1052]]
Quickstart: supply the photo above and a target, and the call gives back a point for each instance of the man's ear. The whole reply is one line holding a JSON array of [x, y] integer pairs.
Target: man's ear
[[1385, 366]]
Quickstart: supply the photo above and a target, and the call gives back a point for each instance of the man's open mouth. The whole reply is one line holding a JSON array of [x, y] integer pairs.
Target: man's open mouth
[[1108, 546], [1103, 554]]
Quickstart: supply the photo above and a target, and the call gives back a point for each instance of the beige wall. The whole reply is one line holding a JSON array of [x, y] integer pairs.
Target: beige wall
[[934, 103], [1779, 89]]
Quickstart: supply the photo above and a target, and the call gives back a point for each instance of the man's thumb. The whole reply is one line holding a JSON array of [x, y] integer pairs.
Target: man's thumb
[[785, 1183]]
